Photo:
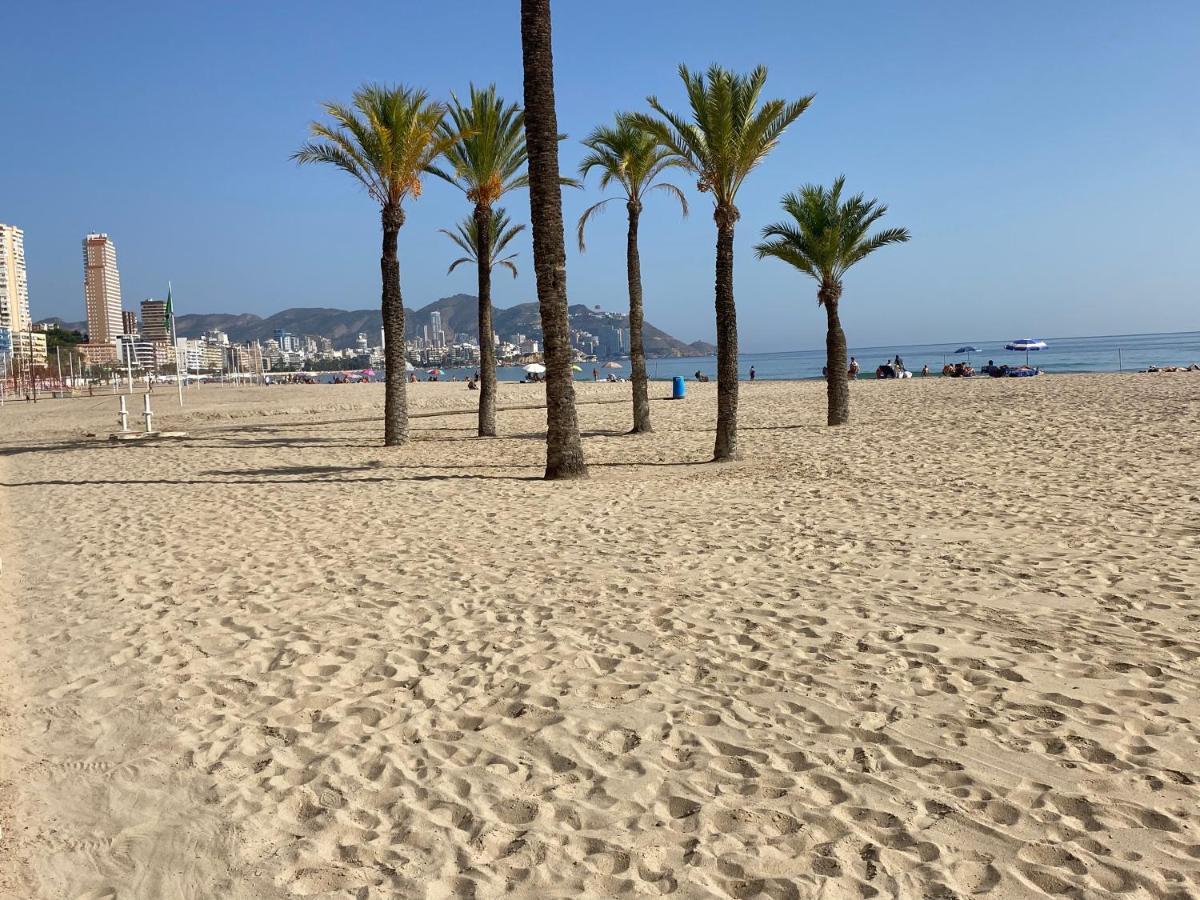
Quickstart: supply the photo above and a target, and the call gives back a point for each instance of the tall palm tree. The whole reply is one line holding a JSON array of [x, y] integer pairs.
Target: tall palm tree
[[634, 159], [488, 160], [564, 450], [825, 237], [499, 235], [727, 137], [386, 139]]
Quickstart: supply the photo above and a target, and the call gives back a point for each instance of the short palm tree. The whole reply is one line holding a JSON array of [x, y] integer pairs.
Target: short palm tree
[[825, 237], [499, 233], [486, 161], [386, 139], [633, 159], [564, 449], [728, 136]]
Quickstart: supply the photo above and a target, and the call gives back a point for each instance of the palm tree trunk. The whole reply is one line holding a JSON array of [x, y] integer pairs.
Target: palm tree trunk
[[637, 348], [837, 386], [727, 343], [395, 407], [487, 350], [564, 450]]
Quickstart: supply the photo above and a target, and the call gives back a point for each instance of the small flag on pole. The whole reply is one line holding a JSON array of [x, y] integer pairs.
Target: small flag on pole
[[170, 311]]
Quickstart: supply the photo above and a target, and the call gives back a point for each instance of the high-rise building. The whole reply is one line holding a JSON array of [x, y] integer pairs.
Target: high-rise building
[[435, 326], [154, 321], [128, 322], [101, 289], [14, 290]]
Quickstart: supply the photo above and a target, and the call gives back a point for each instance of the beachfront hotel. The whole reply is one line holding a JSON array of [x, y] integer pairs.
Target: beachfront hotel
[[154, 321], [102, 297], [14, 289]]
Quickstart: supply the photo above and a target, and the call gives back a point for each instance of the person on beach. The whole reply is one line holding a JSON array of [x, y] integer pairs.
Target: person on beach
[[595, 374], [925, 370], [854, 369], [752, 373]]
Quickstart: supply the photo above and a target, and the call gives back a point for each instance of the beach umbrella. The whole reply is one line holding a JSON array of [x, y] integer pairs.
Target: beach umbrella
[[1026, 344], [370, 373], [576, 368], [435, 371], [612, 365], [535, 368], [969, 349]]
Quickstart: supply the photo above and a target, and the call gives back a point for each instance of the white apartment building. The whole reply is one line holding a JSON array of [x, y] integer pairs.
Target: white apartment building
[[101, 289], [14, 289]]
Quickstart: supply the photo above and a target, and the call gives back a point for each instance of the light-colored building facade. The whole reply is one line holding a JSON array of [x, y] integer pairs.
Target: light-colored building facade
[[28, 345], [14, 288], [141, 353], [246, 358], [98, 354], [101, 289]]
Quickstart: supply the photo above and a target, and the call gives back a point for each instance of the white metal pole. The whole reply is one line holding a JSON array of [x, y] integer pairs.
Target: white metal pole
[[3, 377], [178, 373], [129, 364]]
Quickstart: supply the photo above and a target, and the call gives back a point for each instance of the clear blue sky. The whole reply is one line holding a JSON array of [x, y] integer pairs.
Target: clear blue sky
[[1045, 156]]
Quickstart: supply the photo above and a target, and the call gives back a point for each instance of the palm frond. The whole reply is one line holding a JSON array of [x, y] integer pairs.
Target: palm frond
[[501, 232], [385, 138], [588, 214], [729, 132], [485, 145], [827, 234], [674, 192]]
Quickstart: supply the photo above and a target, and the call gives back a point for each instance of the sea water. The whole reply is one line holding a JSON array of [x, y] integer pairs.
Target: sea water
[[1129, 353]]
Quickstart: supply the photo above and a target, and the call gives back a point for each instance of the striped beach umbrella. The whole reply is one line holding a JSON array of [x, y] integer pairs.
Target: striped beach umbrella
[[1026, 344]]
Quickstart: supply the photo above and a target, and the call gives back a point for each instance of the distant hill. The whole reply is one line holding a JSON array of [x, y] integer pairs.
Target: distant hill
[[460, 314]]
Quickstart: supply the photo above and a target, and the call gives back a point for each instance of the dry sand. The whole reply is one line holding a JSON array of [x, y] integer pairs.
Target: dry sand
[[950, 650]]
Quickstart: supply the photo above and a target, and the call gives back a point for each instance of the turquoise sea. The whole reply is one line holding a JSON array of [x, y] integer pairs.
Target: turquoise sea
[[1063, 355]]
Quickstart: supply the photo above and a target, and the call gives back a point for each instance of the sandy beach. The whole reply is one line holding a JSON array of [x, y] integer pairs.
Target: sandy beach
[[950, 650]]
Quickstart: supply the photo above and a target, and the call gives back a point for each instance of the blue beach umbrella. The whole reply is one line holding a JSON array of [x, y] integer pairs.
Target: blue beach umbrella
[[969, 349]]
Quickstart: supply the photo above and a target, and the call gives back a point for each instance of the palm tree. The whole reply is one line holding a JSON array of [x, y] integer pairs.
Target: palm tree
[[564, 450], [488, 161], [634, 159], [728, 135], [825, 238], [385, 139], [500, 234]]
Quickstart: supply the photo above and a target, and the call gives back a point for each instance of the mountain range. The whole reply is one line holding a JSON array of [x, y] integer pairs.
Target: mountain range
[[460, 315]]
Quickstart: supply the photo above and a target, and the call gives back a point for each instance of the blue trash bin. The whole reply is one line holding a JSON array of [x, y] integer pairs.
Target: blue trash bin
[[677, 388]]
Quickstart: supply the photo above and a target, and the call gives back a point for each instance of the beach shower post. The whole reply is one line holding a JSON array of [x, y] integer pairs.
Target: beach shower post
[[147, 414], [123, 416]]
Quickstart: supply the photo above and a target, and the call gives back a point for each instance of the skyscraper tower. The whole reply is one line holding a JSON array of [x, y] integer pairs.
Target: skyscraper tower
[[435, 326], [14, 290], [101, 289]]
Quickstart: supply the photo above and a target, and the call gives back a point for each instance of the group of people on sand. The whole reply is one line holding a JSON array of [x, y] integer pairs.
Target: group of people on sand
[[894, 368], [1153, 369], [962, 370]]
